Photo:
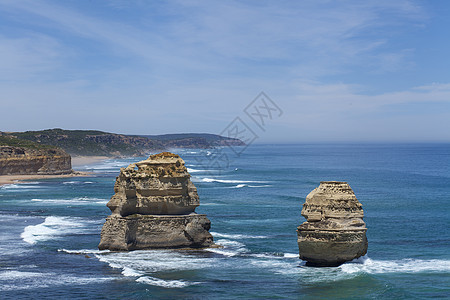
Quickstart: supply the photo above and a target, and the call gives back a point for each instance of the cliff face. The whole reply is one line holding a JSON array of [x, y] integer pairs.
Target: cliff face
[[26, 161], [334, 231], [154, 207]]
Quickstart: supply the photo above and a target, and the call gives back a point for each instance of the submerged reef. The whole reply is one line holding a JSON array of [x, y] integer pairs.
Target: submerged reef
[[334, 231], [154, 207]]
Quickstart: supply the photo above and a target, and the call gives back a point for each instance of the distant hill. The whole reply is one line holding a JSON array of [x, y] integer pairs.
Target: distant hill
[[195, 140], [92, 142]]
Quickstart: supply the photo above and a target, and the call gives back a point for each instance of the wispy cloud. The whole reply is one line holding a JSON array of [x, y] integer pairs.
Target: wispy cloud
[[168, 65], [222, 36]]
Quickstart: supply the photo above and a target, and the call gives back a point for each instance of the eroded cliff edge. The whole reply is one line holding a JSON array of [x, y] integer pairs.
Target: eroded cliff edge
[[334, 231], [154, 207], [29, 161]]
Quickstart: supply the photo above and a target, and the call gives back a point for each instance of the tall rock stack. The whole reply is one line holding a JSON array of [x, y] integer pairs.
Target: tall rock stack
[[334, 231], [154, 207]]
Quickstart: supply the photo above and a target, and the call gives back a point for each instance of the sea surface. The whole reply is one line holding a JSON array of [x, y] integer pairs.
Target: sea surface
[[50, 229]]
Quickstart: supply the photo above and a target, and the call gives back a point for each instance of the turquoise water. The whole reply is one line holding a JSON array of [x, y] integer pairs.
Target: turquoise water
[[50, 229]]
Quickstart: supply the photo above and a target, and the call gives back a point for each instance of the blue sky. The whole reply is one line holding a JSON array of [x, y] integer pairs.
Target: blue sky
[[339, 70]]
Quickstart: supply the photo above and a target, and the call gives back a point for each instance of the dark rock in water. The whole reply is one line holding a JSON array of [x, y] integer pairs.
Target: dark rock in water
[[334, 231], [154, 207]]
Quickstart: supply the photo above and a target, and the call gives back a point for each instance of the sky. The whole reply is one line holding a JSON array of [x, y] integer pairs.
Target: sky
[[338, 71]]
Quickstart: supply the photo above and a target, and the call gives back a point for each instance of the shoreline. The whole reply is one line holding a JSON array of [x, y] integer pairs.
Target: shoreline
[[77, 161], [12, 179]]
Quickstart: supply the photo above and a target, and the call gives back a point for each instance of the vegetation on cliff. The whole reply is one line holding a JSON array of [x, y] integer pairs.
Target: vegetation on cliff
[[6, 140]]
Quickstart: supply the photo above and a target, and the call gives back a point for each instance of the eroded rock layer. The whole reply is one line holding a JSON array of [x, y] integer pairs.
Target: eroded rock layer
[[26, 161], [154, 207], [334, 231]]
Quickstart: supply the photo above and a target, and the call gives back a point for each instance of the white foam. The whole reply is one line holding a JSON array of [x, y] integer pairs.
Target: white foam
[[289, 266], [71, 182], [266, 255], [230, 181], [259, 186], [238, 186], [131, 272], [229, 248], [110, 165], [237, 236], [141, 262], [275, 255], [165, 283], [191, 170], [13, 280], [19, 186], [17, 275], [367, 265], [73, 201], [53, 227], [83, 251], [153, 260], [291, 255]]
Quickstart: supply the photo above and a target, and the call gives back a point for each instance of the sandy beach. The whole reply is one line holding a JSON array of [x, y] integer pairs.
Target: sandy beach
[[9, 179], [86, 160]]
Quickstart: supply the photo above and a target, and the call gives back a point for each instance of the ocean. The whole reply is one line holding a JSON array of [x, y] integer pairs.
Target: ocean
[[50, 229]]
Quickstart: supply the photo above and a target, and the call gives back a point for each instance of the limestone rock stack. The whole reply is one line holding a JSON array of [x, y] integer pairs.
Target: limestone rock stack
[[334, 231], [154, 207]]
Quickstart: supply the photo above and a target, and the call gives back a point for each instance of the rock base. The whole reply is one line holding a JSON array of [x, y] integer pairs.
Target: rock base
[[137, 232], [331, 248]]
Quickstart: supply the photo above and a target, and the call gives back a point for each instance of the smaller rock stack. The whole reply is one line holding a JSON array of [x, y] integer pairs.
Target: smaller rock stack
[[154, 207], [334, 231]]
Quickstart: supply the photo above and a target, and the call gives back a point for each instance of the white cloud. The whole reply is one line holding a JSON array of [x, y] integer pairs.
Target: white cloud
[[191, 66], [27, 57], [225, 36]]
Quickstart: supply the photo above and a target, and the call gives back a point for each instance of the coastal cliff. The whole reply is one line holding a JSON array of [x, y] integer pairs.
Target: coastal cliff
[[334, 231], [154, 207], [28, 161]]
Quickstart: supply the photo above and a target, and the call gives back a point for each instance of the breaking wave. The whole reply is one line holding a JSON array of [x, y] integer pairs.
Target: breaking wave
[[73, 201], [143, 264], [238, 236], [230, 181], [55, 227]]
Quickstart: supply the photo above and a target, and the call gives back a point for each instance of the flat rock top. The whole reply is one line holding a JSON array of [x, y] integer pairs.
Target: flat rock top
[[161, 158], [332, 199], [164, 164]]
